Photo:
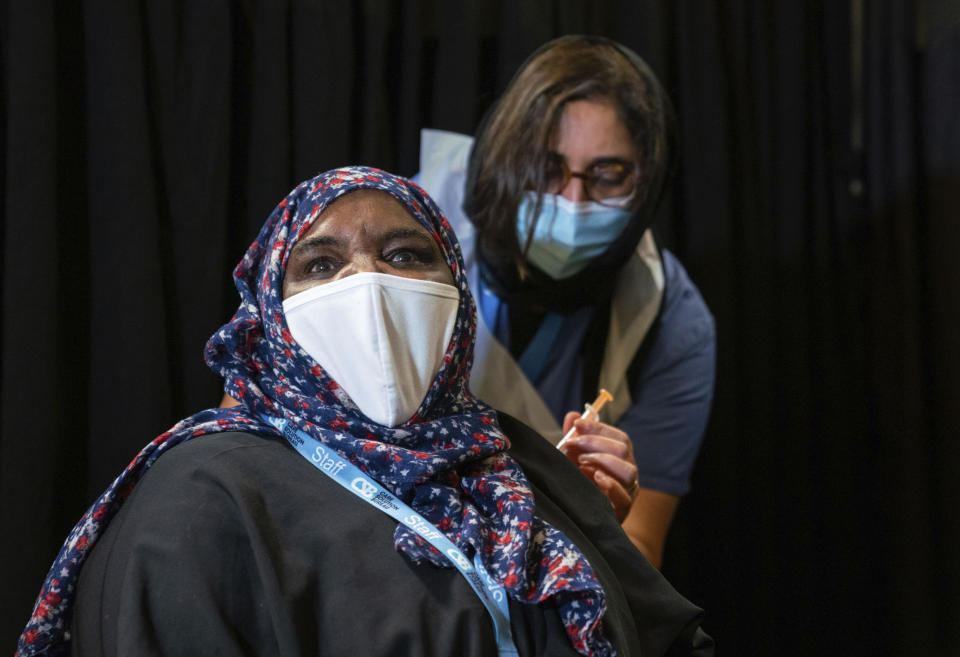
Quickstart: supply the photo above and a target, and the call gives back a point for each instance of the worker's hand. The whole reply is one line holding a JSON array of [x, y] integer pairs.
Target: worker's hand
[[605, 455]]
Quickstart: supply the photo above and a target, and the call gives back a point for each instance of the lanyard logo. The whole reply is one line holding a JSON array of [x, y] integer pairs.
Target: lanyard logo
[[459, 559], [363, 488]]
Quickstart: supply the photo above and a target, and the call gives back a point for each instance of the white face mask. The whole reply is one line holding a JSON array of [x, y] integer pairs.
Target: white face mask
[[380, 337]]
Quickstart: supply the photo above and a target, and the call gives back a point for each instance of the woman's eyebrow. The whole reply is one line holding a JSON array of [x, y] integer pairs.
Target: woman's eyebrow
[[318, 241], [322, 241], [600, 159], [404, 233], [609, 159]]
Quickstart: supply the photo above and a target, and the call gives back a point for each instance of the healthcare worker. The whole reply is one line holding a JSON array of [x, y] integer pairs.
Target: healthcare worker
[[552, 203]]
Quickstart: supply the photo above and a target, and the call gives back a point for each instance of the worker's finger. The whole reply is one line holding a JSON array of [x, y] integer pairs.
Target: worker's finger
[[593, 427], [625, 472], [618, 496], [589, 443], [568, 420]]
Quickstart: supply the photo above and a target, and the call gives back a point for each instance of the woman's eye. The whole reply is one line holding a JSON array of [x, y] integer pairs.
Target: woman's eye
[[322, 266], [610, 175], [403, 257], [607, 183], [552, 174]]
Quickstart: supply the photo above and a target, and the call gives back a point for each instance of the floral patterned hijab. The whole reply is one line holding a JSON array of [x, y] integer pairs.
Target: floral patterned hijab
[[448, 461]]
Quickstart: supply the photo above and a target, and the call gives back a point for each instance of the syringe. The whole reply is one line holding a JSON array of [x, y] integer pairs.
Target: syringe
[[590, 412]]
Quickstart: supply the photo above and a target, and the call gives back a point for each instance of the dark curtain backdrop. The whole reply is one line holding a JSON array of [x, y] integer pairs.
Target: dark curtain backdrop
[[816, 207]]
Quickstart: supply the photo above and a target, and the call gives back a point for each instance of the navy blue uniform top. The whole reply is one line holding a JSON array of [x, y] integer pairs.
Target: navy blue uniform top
[[671, 392]]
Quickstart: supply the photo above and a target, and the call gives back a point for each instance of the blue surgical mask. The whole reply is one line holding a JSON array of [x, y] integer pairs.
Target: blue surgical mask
[[568, 235]]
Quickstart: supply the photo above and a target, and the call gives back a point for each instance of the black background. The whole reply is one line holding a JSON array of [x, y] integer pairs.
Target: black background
[[817, 207]]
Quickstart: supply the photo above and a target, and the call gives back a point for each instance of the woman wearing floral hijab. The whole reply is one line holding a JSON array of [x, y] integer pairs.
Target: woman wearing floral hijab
[[354, 337]]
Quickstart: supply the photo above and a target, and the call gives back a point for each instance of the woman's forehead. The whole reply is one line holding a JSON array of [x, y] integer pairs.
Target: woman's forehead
[[363, 208]]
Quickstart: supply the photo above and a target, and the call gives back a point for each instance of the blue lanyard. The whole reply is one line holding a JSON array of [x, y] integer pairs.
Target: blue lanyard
[[491, 593], [540, 350]]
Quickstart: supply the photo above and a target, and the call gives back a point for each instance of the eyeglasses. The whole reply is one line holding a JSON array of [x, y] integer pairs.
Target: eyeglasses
[[611, 183]]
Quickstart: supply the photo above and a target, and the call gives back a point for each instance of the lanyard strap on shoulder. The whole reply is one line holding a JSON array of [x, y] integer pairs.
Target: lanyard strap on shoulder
[[537, 354], [491, 593], [540, 350]]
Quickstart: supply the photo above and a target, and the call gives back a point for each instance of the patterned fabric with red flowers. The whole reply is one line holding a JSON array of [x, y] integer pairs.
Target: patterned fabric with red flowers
[[448, 461]]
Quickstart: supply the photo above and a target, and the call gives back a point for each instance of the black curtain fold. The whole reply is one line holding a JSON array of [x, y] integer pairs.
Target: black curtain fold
[[941, 198], [815, 206]]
